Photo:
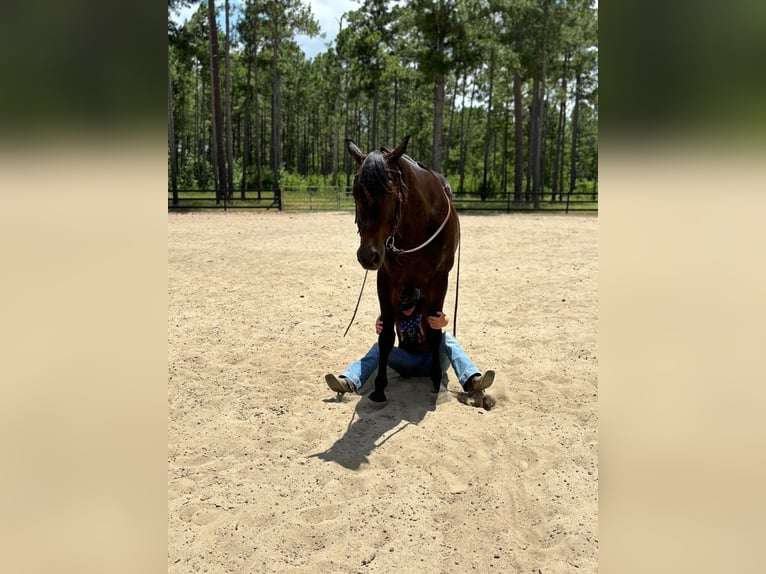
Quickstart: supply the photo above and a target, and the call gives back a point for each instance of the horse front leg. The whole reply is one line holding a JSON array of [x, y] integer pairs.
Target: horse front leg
[[434, 293], [385, 344], [434, 338]]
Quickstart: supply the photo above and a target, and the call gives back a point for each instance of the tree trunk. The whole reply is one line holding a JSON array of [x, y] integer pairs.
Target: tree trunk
[[438, 120], [488, 131], [544, 147], [558, 167], [172, 142], [518, 175], [276, 115], [395, 139], [217, 108], [261, 130], [247, 137], [504, 155], [575, 122], [559, 152], [374, 137], [258, 145], [229, 138], [197, 123], [448, 141], [532, 143], [335, 141], [594, 168], [537, 174], [463, 135], [347, 133]]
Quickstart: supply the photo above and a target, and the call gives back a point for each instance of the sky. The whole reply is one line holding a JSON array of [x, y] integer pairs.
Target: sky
[[326, 12]]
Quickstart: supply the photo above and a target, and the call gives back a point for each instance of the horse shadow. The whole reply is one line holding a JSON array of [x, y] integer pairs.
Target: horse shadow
[[371, 426]]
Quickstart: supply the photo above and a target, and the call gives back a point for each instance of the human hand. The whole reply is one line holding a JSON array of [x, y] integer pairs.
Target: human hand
[[438, 322], [379, 325]]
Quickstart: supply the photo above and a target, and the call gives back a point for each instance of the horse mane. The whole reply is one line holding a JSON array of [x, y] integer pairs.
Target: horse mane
[[373, 175]]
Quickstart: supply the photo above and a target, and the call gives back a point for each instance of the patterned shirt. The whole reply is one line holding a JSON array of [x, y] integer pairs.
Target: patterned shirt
[[411, 331]]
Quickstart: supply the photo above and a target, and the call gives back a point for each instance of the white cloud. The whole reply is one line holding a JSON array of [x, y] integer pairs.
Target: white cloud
[[327, 13]]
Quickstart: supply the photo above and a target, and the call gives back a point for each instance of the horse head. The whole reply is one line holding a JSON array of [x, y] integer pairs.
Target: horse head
[[378, 196]]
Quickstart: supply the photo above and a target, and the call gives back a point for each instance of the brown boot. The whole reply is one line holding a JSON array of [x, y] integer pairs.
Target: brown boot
[[479, 382], [339, 384]]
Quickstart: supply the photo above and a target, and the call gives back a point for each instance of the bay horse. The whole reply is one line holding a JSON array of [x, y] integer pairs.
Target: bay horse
[[409, 232]]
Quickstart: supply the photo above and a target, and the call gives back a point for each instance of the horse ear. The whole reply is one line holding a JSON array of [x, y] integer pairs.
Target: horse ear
[[400, 149], [355, 152]]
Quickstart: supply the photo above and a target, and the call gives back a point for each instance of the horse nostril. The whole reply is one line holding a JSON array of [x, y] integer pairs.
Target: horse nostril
[[368, 257]]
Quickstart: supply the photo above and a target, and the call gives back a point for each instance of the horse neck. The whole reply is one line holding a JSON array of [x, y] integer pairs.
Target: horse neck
[[425, 194]]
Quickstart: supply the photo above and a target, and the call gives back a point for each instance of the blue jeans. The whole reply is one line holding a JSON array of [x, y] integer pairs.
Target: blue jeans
[[413, 365]]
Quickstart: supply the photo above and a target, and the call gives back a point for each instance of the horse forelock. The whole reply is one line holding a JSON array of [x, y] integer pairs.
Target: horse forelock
[[379, 179], [373, 174], [376, 178]]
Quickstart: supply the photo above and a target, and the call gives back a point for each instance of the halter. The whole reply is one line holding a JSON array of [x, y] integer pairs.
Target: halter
[[390, 239]]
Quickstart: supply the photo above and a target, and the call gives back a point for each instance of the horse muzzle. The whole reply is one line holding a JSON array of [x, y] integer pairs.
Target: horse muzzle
[[370, 257]]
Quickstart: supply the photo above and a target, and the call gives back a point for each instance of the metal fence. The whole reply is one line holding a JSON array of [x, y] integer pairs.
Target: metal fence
[[317, 198]]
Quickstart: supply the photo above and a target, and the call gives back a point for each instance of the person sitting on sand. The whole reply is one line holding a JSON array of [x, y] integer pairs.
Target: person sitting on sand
[[412, 358]]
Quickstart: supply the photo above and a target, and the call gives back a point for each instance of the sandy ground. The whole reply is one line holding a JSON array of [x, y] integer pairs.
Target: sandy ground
[[269, 472]]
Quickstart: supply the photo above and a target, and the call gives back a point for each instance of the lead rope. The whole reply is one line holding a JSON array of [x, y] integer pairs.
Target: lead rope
[[357, 302], [457, 279]]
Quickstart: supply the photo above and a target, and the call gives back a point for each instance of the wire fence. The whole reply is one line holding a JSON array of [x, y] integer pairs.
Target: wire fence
[[318, 198]]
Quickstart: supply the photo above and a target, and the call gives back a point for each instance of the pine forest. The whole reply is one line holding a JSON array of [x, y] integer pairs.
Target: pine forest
[[500, 96]]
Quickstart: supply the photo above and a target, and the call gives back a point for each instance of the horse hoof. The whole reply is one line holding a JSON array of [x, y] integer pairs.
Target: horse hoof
[[488, 403], [378, 399], [482, 401]]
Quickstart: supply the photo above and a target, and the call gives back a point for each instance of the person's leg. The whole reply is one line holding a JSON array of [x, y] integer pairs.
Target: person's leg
[[454, 353], [359, 371], [409, 364]]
